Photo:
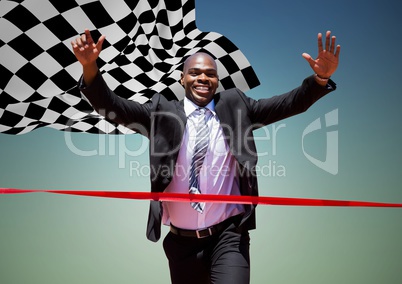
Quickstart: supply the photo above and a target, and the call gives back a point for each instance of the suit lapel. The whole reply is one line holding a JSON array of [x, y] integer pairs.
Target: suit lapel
[[182, 120], [223, 112]]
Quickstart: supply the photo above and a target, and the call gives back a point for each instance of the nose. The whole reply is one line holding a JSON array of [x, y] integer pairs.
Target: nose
[[202, 77]]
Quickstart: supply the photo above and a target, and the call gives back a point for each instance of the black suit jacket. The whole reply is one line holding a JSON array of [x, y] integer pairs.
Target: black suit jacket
[[163, 122]]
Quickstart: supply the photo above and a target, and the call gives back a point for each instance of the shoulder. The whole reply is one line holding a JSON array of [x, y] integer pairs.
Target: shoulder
[[160, 103], [232, 94], [233, 97], [231, 91]]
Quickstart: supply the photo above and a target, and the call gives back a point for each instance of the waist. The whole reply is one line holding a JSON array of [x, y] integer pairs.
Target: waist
[[182, 215], [208, 231]]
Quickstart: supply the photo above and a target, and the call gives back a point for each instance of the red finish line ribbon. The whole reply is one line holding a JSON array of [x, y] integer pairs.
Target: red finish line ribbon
[[179, 197]]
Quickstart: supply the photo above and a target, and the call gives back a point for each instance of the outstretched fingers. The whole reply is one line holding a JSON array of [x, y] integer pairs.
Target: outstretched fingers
[[327, 41], [87, 37], [337, 51], [85, 41], [319, 38], [330, 44], [309, 59], [100, 43], [333, 39]]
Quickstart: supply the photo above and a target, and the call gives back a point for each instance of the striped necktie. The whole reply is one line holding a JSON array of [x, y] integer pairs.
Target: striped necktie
[[200, 149]]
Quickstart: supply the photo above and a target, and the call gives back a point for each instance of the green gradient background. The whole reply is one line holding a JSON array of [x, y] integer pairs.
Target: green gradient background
[[46, 238]]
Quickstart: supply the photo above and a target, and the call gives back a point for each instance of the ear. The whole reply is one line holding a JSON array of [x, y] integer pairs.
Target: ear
[[182, 79]]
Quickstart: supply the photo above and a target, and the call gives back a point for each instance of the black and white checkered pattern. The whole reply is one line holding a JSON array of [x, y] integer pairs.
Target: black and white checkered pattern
[[146, 44]]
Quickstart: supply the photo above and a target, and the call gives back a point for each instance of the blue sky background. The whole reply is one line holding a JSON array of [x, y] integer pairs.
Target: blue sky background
[[46, 238]]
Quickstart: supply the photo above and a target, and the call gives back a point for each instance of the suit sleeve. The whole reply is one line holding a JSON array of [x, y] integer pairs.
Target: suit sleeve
[[298, 100], [133, 115]]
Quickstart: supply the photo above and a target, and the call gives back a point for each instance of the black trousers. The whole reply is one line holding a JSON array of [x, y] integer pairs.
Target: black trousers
[[219, 259]]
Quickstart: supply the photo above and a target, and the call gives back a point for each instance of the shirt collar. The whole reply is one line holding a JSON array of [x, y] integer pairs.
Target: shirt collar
[[190, 107]]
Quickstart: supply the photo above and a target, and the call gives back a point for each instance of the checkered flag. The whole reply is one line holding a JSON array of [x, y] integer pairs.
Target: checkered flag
[[147, 43]]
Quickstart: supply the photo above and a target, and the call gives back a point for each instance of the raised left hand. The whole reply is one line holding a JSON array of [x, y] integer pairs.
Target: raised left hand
[[327, 60]]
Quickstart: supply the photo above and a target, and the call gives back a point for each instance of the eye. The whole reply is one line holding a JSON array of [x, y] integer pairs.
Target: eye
[[193, 73]]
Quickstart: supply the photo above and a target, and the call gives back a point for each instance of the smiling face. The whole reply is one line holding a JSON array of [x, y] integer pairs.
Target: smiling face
[[200, 78]]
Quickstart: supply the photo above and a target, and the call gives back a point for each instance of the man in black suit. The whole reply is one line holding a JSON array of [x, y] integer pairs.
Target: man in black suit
[[207, 242]]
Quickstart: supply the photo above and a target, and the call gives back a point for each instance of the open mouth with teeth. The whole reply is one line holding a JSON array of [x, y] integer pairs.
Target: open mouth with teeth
[[202, 89]]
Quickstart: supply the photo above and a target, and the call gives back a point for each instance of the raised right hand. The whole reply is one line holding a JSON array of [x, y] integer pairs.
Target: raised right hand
[[86, 52], [85, 49]]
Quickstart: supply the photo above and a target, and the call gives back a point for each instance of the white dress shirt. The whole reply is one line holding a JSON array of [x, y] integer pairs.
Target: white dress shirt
[[218, 175]]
